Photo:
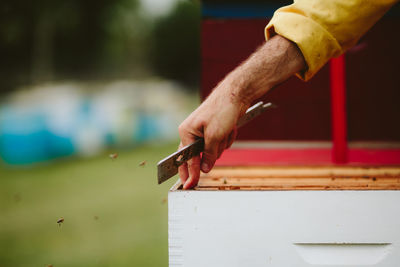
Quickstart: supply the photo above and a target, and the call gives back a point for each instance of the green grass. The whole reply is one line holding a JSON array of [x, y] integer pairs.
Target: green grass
[[131, 224]]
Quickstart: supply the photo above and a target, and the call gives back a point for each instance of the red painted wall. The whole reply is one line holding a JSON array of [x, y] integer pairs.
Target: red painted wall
[[373, 84]]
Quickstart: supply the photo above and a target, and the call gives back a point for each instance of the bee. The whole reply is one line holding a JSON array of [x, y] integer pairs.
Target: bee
[[113, 156], [17, 197], [143, 163], [60, 221]]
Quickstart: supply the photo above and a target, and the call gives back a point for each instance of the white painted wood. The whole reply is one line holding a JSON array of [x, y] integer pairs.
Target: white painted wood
[[284, 228]]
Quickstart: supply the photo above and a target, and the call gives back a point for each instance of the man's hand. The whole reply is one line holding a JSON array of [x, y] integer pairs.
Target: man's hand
[[215, 119]]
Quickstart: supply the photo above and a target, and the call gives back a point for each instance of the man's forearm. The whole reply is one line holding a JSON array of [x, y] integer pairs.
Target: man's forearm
[[215, 119], [274, 62]]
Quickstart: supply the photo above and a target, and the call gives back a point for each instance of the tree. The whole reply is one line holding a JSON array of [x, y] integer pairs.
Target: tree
[[175, 50]]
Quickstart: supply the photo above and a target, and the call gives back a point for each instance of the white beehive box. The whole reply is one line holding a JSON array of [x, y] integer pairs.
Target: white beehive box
[[320, 216]]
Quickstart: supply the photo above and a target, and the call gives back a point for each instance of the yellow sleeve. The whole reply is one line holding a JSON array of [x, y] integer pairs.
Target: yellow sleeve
[[323, 29]]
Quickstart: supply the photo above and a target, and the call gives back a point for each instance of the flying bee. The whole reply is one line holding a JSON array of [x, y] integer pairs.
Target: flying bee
[[113, 156], [60, 221], [143, 163], [17, 197]]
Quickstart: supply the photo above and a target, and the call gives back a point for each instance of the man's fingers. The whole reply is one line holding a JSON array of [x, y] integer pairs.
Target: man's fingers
[[183, 169], [194, 172], [210, 154], [188, 136], [183, 172]]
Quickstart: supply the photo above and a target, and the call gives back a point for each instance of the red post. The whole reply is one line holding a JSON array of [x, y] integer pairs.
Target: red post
[[338, 109]]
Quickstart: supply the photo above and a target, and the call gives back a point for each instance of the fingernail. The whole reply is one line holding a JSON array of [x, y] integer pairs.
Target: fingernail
[[186, 185], [205, 167]]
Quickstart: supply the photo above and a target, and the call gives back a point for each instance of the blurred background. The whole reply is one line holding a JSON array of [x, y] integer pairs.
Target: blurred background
[[91, 94]]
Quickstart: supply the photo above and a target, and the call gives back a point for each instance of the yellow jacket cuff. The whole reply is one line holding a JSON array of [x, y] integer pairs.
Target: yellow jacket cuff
[[316, 44]]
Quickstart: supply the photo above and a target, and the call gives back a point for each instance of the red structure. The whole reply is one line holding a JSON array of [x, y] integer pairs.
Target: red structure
[[348, 113], [338, 100]]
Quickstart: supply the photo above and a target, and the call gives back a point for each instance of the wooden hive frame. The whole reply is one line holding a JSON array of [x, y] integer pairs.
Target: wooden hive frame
[[300, 178]]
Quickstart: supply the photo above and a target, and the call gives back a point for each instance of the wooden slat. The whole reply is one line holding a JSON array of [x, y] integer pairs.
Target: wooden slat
[[301, 178], [304, 171]]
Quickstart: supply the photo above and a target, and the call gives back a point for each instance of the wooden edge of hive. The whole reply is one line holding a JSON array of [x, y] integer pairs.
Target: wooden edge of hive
[[306, 178]]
